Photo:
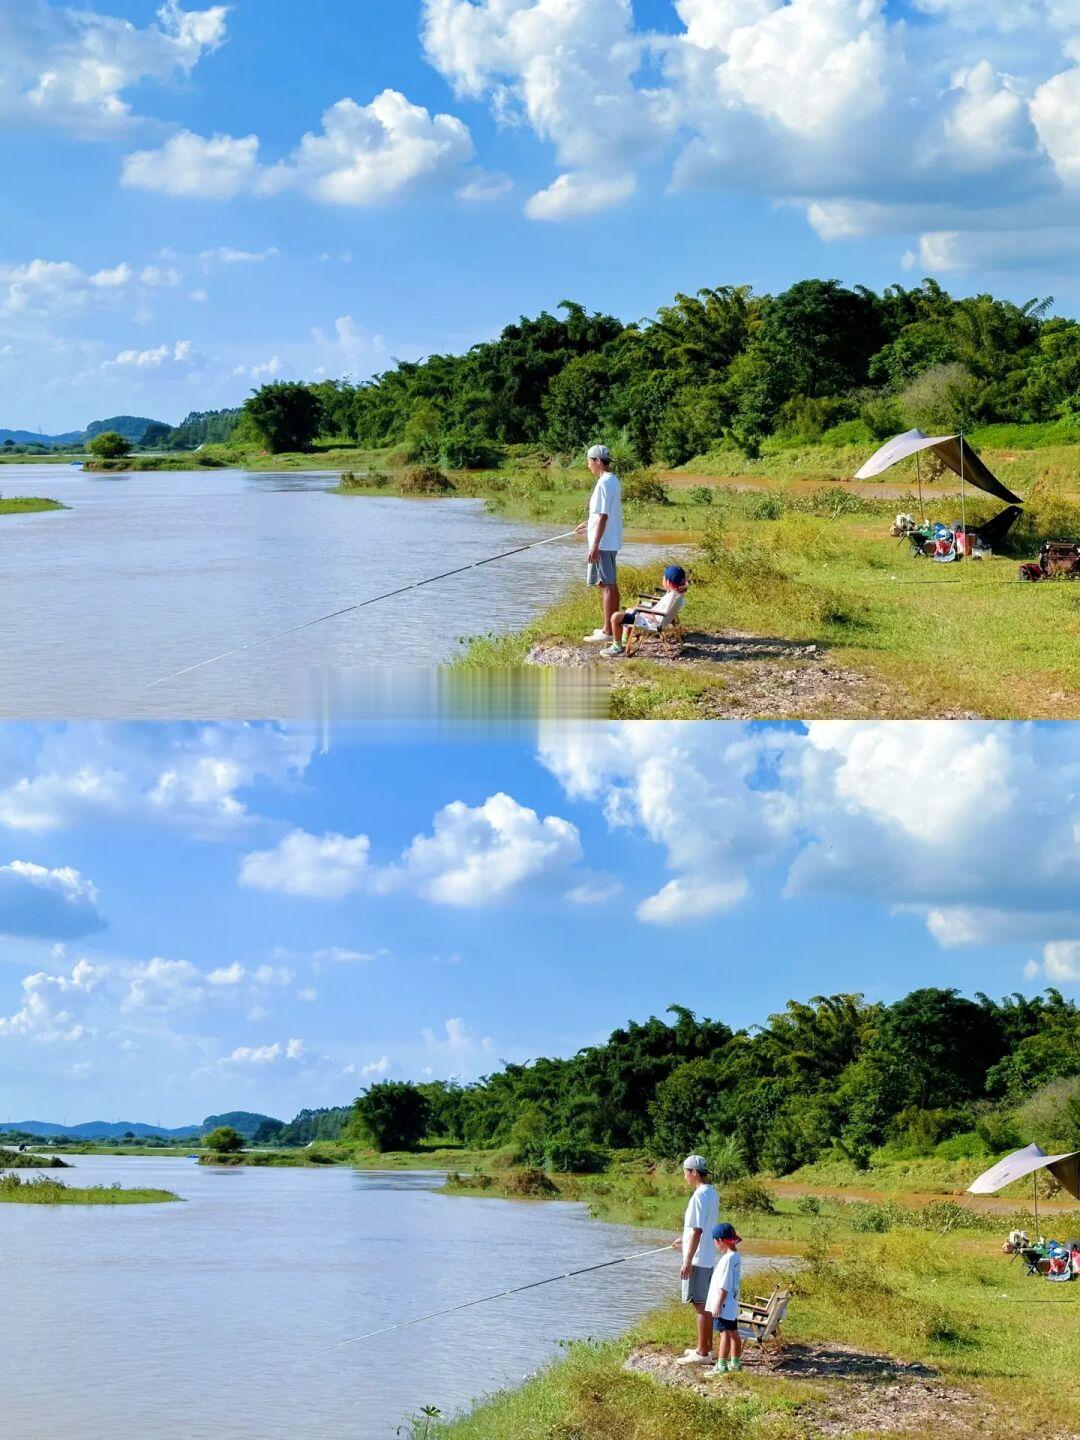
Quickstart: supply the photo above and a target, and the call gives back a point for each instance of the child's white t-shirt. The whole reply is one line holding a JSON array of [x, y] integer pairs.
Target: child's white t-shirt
[[725, 1276]]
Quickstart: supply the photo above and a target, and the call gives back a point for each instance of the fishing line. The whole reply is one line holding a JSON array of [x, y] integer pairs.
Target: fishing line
[[359, 605], [501, 1295]]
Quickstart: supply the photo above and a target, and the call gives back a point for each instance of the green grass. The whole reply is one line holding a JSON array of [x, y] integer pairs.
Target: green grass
[[43, 1190], [913, 1284], [28, 505]]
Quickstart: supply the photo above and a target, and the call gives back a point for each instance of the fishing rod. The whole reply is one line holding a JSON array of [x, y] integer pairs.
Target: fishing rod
[[359, 605], [501, 1295]]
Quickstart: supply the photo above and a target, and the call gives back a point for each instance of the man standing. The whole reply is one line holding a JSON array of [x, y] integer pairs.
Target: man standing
[[698, 1254], [604, 531]]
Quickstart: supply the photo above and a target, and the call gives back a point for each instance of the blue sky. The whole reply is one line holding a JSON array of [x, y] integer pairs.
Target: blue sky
[[208, 196], [195, 918]]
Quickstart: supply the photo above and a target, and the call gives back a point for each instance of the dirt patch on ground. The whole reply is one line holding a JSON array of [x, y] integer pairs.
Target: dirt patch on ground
[[749, 676], [860, 1392]]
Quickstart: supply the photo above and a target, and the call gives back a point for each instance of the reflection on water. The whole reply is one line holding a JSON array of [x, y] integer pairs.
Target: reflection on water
[[149, 573], [224, 1315]]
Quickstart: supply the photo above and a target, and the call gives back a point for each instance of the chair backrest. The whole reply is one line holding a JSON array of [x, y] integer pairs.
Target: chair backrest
[[778, 1305]]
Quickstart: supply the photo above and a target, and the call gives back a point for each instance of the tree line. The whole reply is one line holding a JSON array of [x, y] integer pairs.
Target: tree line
[[721, 366], [932, 1073]]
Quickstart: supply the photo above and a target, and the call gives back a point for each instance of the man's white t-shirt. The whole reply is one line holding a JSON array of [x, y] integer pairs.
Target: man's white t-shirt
[[725, 1276], [702, 1213], [606, 500]]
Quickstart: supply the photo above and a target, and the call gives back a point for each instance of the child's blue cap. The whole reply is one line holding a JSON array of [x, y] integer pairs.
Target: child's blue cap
[[726, 1231], [675, 575]]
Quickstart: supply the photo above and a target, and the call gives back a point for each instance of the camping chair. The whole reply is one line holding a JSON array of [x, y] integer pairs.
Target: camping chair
[[667, 629], [1033, 1257], [759, 1319]]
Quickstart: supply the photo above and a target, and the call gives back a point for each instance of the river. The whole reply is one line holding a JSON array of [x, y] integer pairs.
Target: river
[[224, 1315], [148, 573]]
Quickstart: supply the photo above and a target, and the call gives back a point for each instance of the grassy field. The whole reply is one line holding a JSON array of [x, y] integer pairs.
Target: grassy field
[[43, 1190], [28, 505], [925, 1284]]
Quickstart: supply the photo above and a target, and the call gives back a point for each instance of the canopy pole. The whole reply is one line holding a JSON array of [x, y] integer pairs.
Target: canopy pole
[[963, 511], [918, 477], [1035, 1202]]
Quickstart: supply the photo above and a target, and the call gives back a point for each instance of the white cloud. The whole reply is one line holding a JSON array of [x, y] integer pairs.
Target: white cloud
[[477, 855], [571, 196], [52, 1006], [70, 67], [49, 904], [843, 810], [309, 994], [1060, 962], [266, 1054], [456, 1049], [161, 985], [184, 776], [339, 955], [180, 352], [364, 155], [326, 868], [376, 1067], [229, 255], [226, 974]]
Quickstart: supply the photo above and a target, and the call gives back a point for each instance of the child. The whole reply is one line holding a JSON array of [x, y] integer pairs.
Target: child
[[650, 617], [723, 1299]]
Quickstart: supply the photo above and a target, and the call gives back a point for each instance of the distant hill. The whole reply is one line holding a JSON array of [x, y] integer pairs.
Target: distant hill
[[245, 1121], [31, 437], [99, 1129], [132, 427]]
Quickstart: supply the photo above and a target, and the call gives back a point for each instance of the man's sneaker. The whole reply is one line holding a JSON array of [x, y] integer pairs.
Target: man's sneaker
[[597, 637], [693, 1358]]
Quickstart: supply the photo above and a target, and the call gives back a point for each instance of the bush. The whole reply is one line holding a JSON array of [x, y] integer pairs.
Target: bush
[[770, 505], [426, 480], [727, 1160], [700, 495], [223, 1141], [751, 1196], [529, 1181], [943, 398], [871, 1219], [808, 1205], [570, 1156], [461, 450], [643, 487], [108, 445]]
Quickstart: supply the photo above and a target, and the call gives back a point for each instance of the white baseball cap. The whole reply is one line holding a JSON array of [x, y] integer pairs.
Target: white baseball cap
[[599, 452], [696, 1162]]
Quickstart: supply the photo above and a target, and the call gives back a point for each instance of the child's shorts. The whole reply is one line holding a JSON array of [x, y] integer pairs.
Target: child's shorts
[[719, 1324]]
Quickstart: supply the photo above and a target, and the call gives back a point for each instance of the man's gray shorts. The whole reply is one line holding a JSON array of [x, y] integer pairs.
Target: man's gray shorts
[[695, 1291], [603, 572]]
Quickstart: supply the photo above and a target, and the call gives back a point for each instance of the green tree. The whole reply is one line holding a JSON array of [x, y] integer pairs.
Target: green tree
[[285, 415], [108, 445], [393, 1115], [223, 1141]]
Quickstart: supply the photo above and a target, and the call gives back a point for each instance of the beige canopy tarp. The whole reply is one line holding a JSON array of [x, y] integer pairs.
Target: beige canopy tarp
[[1064, 1168], [952, 450]]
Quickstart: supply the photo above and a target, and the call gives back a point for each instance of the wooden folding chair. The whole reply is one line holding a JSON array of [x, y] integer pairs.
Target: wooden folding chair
[[670, 636], [759, 1319]]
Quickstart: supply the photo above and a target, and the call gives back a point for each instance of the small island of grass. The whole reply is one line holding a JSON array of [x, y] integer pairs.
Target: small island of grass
[[28, 504], [43, 1190]]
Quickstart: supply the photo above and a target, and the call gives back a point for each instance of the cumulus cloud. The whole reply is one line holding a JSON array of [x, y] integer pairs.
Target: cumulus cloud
[[844, 810], [326, 867], [474, 856], [55, 904], [187, 776], [52, 1006], [275, 1053], [364, 155], [70, 67], [1060, 962]]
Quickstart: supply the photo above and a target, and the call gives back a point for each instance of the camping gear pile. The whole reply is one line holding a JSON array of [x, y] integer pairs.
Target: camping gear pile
[[1055, 1260], [947, 543], [1058, 560]]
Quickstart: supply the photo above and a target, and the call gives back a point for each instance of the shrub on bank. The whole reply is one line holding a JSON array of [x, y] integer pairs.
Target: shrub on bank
[[426, 480]]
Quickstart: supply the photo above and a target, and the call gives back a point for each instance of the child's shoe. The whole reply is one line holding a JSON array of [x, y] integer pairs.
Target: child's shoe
[[614, 650], [734, 1364], [720, 1368]]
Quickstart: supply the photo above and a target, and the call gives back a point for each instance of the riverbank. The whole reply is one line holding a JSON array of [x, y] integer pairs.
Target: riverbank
[[43, 1190], [30, 1160], [28, 504], [906, 1319]]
